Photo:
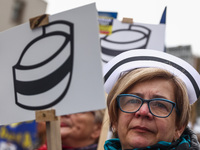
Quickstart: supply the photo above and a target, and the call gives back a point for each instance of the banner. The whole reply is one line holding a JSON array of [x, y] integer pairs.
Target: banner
[[18, 136]]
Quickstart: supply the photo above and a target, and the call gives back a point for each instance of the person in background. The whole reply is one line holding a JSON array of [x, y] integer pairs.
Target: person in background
[[80, 131], [149, 97], [41, 136]]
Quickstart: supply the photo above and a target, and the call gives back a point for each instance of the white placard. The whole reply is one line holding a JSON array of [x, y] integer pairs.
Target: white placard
[[126, 36], [56, 66]]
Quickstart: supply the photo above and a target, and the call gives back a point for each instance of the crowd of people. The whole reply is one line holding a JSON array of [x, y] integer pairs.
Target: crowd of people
[[150, 94], [149, 100]]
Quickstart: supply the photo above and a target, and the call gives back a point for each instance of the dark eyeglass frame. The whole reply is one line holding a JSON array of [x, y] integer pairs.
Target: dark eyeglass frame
[[146, 101]]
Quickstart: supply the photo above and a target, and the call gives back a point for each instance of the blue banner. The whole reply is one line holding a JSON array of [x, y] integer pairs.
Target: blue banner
[[18, 136]]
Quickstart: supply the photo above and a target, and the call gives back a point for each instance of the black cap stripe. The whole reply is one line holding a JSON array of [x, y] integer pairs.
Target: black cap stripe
[[151, 58]]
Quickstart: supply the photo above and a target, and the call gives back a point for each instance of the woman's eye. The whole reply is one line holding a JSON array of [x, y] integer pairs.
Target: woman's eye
[[159, 105], [133, 101]]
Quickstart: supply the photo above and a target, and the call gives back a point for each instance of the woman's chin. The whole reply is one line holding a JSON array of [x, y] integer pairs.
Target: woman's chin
[[141, 142]]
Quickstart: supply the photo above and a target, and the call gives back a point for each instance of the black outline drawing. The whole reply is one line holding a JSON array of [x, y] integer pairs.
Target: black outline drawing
[[44, 84], [113, 52]]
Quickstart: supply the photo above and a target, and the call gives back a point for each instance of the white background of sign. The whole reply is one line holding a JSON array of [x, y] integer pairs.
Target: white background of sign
[[157, 36], [155, 40], [86, 88]]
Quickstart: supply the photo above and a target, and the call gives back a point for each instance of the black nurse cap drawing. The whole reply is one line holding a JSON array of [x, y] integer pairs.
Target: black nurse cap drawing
[[121, 40], [43, 72]]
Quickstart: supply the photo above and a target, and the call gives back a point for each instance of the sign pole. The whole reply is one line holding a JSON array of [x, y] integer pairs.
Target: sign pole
[[52, 128]]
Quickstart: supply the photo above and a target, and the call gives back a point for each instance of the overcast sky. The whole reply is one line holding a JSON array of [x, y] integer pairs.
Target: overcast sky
[[183, 16]]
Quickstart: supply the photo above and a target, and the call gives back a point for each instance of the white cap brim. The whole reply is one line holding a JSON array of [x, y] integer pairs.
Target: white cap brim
[[145, 58]]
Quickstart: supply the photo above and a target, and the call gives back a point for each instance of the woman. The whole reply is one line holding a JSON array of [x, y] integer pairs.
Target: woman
[[149, 97]]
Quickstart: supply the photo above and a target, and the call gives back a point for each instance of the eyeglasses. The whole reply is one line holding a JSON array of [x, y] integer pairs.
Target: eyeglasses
[[158, 107]]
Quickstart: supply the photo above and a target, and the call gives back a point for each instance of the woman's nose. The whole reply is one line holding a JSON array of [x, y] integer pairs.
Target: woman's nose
[[144, 112]]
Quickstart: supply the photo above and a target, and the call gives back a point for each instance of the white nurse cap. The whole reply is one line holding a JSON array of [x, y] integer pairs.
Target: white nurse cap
[[145, 58]]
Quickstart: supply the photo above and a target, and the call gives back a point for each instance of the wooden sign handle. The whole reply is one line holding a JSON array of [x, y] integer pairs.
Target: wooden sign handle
[[39, 21], [53, 135], [52, 128], [127, 20]]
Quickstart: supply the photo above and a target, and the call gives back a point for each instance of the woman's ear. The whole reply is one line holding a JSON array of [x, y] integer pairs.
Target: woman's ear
[[178, 132], [114, 127], [96, 131], [114, 130]]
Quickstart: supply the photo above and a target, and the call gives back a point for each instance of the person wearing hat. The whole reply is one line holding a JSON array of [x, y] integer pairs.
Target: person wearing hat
[[149, 98]]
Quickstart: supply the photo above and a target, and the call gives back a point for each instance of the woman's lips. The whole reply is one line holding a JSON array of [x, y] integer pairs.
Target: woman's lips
[[141, 129]]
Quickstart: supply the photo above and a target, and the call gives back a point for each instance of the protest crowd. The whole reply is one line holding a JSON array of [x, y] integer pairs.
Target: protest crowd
[[94, 84]]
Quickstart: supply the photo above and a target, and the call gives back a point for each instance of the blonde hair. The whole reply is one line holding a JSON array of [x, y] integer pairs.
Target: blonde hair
[[127, 80]]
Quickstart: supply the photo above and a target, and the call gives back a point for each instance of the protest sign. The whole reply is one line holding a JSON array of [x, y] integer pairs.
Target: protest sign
[[128, 36], [55, 66]]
